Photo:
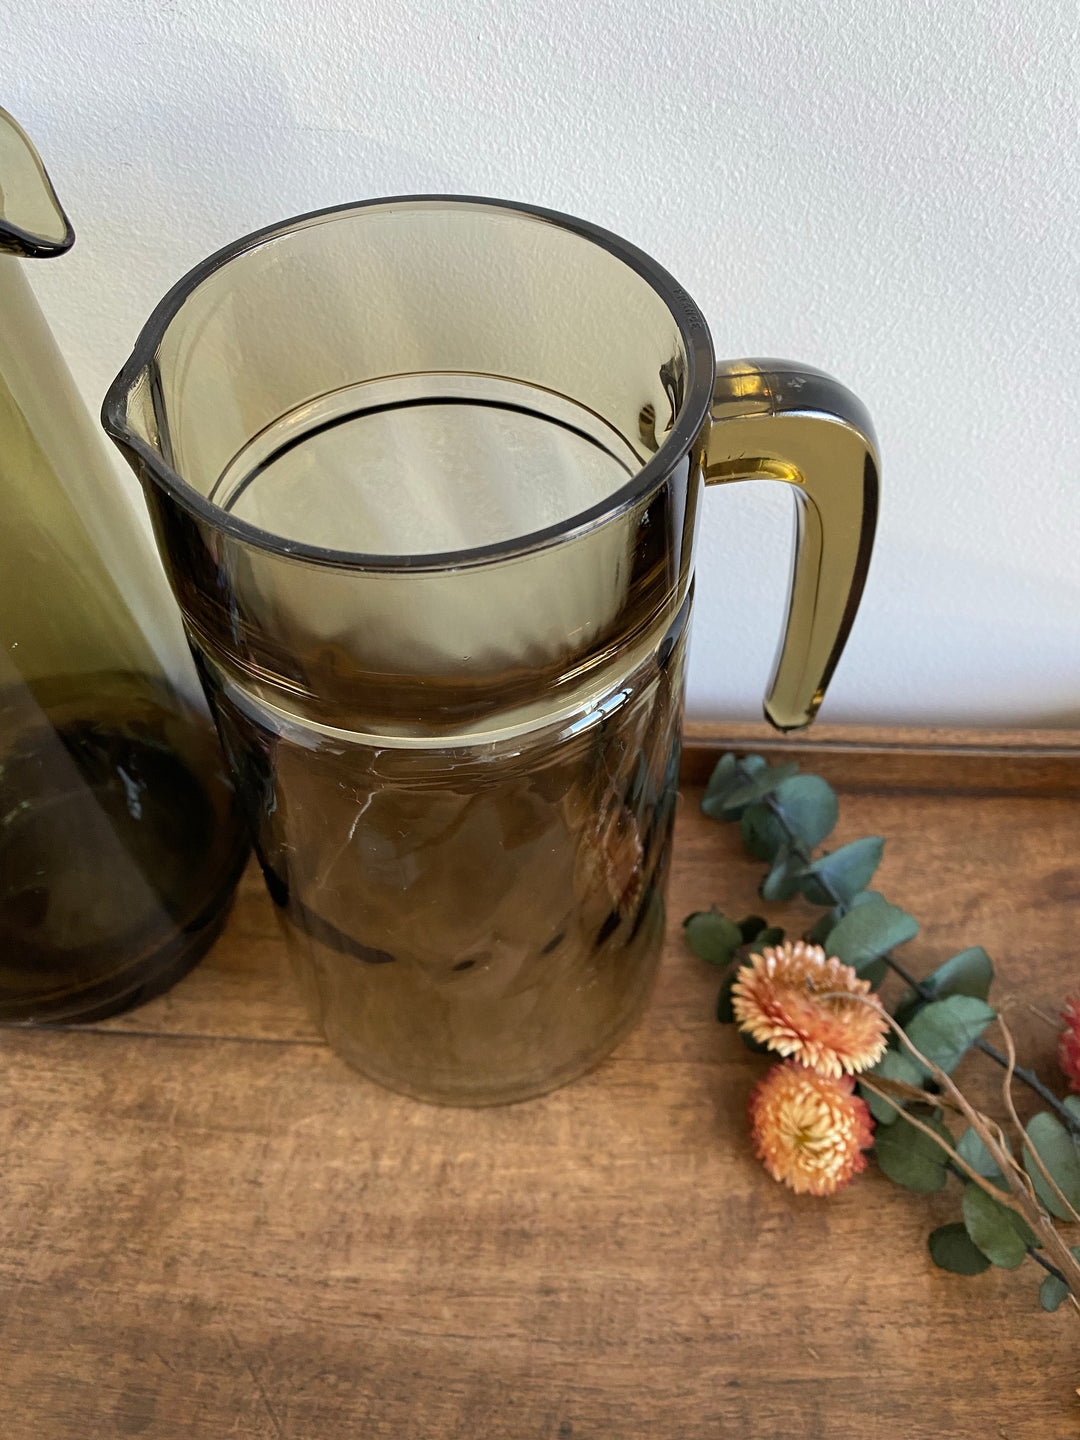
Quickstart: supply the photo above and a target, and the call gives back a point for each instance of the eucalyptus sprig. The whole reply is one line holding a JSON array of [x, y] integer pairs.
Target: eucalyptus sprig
[[1009, 1205]]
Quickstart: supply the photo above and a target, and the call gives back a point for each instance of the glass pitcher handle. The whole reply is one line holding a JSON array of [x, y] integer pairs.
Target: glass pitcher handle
[[773, 420]]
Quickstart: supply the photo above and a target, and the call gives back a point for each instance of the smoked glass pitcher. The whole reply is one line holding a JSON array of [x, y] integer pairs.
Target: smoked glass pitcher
[[425, 474], [120, 839]]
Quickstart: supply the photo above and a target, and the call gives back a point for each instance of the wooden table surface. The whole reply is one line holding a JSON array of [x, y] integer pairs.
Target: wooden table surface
[[210, 1227]]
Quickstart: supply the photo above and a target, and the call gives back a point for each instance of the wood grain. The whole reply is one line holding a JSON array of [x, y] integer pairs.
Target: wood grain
[[879, 757], [210, 1227]]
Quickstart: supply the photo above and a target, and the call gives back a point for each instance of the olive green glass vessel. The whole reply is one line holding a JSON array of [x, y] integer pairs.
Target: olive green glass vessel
[[121, 840], [425, 475]]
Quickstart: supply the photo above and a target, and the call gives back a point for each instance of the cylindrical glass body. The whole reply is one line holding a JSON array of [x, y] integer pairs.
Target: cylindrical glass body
[[424, 474], [452, 715]]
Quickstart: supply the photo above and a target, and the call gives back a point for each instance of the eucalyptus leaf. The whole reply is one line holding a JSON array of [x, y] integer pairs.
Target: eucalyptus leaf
[[762, 833], [819, 932], [907, 1007], [874, 973], [712, 937], [1052, 1292], [810, 808], [772, 935], [751, 926], [1060, 1153], [869, 930], [893, 1065], [945, 1029], [725, 1014], [970, 972], [758, 1047], [782, 881], [972, 1150], [1001, 1235], [844, 873], [729, 801], [725, 774], [814, 892], [822, 928], [951, 1248], [730, 772], [911, 1158]]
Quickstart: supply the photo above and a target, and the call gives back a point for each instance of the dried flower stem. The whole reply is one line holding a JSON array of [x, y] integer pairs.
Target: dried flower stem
[[1025, 1145], [957, 1163], [1030, 1079], [1021, 1198], [900, 1089], [1050, 1020]]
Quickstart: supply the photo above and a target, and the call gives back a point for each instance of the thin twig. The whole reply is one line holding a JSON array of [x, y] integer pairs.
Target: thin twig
[[903, 1091], [1029, 1078], [1025, 1143], [1019, 1200], [1032, 1081], [956, 1160], [1050, 1020], [1006, 1091]]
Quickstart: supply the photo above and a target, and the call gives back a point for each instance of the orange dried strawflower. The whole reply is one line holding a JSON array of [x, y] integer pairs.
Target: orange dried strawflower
[[809, 1130], [787, 998]]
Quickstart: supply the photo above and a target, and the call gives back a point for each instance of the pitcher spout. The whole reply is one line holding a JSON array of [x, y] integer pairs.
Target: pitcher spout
[[32, 220], [130, 417]]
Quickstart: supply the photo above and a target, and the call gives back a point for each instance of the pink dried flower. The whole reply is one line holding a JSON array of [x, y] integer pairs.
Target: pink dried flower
[[809, 1130], [787, 998]]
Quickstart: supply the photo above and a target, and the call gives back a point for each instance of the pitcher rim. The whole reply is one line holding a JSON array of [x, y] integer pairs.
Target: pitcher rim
[[687, 424]]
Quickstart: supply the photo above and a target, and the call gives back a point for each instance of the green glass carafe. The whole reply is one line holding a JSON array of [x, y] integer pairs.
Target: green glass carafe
[[120, 840]]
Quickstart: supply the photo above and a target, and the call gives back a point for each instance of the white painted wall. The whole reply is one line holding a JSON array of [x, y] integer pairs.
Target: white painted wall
[[888, 191]]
